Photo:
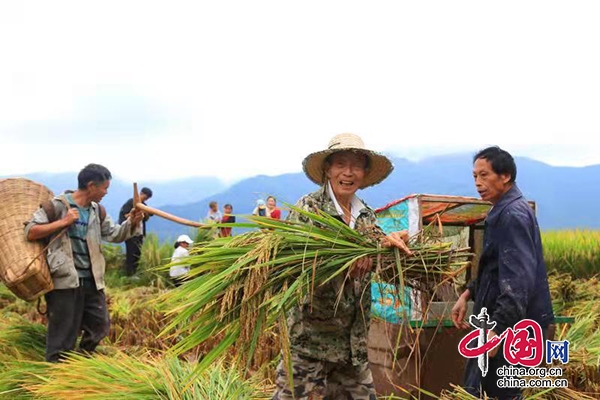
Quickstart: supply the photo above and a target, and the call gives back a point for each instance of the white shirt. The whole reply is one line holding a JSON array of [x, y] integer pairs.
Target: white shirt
[[178, 270], [355, 206]]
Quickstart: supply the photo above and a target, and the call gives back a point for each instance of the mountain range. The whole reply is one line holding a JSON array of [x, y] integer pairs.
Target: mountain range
[[566, 197]]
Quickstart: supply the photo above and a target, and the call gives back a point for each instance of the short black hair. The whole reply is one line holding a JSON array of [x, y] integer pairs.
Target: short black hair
[[228, 205], [501, 160], [147, 192], [95, 173]]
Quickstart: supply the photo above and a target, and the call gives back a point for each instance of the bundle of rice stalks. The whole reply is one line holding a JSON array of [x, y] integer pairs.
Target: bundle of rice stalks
[[22, 347], [582, 371], [15, 374], [21, 339], [135, 319], [567, 292], [241, 287], [9, 303], [6, 297], [126, 377]]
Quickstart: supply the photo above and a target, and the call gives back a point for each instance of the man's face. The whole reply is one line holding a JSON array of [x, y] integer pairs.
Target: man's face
[[98, 191], [346, 172], [227, 210], [490, 185], [143, 197]]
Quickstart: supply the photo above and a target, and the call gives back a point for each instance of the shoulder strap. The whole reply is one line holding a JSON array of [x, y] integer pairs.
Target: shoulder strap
[[102, 213], [49, 209]]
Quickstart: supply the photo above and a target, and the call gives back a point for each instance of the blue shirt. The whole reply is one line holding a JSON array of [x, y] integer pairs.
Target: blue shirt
[[78, 235]]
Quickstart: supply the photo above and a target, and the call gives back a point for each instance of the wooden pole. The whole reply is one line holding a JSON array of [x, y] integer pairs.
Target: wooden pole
[[169, 217], [138, 205]]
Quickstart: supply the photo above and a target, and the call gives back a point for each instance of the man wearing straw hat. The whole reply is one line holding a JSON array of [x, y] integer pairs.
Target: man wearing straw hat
[[76, 225], [328, 333]]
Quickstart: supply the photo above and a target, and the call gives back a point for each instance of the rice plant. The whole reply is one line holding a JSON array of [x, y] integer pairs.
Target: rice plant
[[21, 339], [578, 298], [240, 288], [135, 319], [576, 252], [127, 377], [113, 255]]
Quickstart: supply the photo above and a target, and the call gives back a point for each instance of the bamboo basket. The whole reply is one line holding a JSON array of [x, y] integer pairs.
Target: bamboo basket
[[23, 266]]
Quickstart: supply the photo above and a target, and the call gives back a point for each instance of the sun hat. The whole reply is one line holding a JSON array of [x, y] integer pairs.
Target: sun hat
[[184, 238], [379, 165]]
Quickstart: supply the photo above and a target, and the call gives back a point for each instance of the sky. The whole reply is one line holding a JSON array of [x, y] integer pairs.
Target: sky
[[164, 90]]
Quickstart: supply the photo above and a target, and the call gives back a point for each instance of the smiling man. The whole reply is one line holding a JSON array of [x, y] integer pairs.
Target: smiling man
[[75, 224], [512, 281], [328, 334]]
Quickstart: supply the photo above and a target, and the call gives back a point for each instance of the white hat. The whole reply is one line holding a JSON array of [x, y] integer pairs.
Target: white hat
[[184, 238], [379, 165]]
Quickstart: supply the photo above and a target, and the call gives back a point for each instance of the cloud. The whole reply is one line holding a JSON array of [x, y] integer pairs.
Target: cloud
[[235, 89], [103, 114]]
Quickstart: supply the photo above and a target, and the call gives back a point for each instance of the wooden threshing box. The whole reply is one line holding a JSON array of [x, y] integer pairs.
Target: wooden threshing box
[[429, 360]]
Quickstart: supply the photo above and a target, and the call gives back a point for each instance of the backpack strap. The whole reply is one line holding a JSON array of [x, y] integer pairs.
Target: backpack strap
[[50, 210], [102, 213]]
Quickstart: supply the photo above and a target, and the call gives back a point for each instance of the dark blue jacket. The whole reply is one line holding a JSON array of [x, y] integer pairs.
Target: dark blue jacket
[[512, 281]]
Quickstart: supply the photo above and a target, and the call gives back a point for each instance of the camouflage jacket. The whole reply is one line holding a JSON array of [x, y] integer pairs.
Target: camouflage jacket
[[322, 330]]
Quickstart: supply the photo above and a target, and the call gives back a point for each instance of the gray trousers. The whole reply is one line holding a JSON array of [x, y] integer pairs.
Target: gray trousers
[[71, 311]]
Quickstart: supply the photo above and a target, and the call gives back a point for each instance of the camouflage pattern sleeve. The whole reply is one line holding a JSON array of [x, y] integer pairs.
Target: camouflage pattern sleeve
[[367, 227], [305, 203]]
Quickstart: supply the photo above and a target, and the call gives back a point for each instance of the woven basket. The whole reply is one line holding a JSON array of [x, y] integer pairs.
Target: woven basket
[[25, 275]]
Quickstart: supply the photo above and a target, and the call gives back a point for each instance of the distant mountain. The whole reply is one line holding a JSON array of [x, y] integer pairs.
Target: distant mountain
[[286, 188], [566, 196], [182, 191]]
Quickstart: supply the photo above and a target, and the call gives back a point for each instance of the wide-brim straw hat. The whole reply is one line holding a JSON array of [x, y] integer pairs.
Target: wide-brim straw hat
[[379, 165]]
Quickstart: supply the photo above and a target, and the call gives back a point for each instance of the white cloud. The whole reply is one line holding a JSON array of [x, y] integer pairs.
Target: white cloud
[[239, 88]]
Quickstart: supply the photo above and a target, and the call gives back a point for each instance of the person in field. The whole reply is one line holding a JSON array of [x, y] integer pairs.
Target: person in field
[[261, 209], [228, 218], [182, 250], [274, 212], [75, 224], [133, 245], [328, 336], [213, 215], [512, 281]]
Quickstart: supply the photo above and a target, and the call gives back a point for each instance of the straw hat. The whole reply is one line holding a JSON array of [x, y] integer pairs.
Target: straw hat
[[379, 165]]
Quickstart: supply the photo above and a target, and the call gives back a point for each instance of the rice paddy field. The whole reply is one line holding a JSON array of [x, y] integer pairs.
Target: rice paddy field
[[153, 351]]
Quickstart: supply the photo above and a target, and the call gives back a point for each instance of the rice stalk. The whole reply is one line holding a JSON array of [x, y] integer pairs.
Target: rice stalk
[[239, 287]]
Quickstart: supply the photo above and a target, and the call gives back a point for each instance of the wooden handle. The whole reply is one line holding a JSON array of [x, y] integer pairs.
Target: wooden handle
[[170, 217], [136, 194]]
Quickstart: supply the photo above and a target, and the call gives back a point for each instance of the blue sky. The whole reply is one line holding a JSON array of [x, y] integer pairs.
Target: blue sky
[[232, 89]]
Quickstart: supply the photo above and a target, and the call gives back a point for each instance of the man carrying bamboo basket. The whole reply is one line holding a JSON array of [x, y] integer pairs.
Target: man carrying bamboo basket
[[75, 225], [328, 331]]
